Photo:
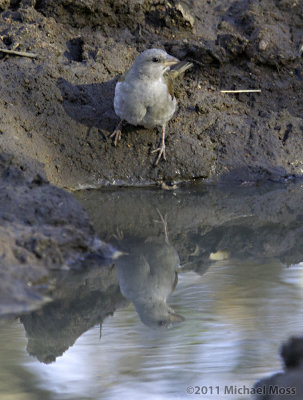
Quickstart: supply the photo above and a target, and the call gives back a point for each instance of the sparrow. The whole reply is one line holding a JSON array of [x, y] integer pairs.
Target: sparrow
[[144, 94], [148, 274]]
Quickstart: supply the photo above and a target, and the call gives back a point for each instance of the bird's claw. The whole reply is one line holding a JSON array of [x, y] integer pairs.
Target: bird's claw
[[117, 135], [161, 151]]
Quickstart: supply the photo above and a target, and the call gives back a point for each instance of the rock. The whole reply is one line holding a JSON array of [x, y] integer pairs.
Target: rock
[[285, 385], [43, 228]]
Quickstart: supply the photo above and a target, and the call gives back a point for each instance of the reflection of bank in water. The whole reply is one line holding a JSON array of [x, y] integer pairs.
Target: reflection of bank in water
[[255, 223], [82, 300]]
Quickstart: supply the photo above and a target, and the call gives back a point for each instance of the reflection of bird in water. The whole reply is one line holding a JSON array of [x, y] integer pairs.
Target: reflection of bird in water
[[147, 276]]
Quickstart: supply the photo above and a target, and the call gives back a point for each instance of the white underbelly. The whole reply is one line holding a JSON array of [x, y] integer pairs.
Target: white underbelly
[[140, 104]]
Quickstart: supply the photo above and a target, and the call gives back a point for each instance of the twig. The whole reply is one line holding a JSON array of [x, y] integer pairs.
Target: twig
[[12, 48], [19, 53], [241, 91]]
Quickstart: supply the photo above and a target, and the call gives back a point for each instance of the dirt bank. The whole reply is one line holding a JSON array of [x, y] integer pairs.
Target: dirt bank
[[57, 108], [42, 229]]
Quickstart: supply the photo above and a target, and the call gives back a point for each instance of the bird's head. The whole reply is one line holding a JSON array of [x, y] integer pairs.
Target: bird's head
[[153, 63], [156, 313]]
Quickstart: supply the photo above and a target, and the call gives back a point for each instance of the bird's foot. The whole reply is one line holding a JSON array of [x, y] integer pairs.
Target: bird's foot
[[164, 222], [116, 135], [118, 235], [161, 151]]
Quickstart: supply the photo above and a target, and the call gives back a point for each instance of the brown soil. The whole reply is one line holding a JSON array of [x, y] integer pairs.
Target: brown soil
[[42, 229], [57, 109]]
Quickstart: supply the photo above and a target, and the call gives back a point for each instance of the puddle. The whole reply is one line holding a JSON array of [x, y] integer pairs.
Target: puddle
[[209, 285]]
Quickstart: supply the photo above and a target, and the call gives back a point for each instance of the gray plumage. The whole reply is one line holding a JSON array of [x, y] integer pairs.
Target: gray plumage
[[147, 276], [144, 95]]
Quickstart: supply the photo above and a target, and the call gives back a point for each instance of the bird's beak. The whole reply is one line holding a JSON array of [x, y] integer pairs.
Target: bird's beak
[[170, 60]]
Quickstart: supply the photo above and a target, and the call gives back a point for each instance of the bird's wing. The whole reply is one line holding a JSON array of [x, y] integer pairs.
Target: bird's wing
[[144, 266], [122, 77], [128, 102], [179, 69], [175, 71], [175, 282], [170, 83]]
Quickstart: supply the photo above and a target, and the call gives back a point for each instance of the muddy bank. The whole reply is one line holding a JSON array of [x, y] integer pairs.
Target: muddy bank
[[43, 229], [57, 108]]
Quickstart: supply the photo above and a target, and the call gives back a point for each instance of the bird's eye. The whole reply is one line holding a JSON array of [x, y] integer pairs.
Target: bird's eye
[[155, 59]]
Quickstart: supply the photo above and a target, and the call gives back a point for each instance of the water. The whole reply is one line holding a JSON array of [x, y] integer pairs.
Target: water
[[234, 257]]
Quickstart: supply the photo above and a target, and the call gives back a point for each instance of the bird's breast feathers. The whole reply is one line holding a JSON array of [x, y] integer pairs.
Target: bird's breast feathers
[[146, 103]]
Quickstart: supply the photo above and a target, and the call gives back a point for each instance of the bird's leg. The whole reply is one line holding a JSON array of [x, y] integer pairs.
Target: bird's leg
[[164, 222], [161, 149], [117, 132]]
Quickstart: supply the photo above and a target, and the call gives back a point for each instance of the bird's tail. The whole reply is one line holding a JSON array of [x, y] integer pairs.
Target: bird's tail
[[180, 68]]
